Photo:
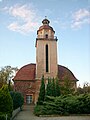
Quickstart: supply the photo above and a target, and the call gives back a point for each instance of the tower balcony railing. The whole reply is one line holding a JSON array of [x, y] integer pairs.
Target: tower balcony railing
[[41, 37]]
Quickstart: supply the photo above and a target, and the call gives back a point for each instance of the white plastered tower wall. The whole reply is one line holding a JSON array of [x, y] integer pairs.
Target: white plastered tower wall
[[46, 51]]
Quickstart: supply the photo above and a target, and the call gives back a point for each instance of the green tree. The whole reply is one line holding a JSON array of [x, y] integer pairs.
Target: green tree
[[42, 92], [49, 88], [6, 103], [57, 87], [80, 90], [54, 88], [86, 87], [6, 74], [67, 87], [17, 98]]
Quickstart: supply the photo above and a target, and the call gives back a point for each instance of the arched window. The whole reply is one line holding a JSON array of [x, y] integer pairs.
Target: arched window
[[46, 58]]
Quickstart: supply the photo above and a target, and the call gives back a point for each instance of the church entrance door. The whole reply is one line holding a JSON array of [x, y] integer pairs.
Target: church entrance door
[[29, 99]]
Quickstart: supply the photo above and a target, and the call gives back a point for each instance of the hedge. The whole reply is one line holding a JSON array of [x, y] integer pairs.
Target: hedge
[[17, 98], [64, 105]]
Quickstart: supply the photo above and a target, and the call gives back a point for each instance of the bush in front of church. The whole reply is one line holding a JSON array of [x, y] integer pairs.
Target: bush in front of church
[[18, 99], [42, 92], [64, 105], [6, 103]]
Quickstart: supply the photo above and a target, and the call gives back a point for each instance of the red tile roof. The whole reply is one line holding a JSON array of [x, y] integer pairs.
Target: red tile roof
[[65, 72], [27, 72]]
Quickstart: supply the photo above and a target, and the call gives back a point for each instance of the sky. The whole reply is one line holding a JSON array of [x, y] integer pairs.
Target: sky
[[20, 20]]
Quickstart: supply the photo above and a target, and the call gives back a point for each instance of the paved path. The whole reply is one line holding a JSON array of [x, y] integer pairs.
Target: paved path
[[27, 114]]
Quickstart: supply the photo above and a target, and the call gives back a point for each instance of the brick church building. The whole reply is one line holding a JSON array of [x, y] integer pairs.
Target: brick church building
[[28, 78]]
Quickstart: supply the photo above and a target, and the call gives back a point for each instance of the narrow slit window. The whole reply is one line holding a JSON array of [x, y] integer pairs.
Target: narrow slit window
[[46, 58]]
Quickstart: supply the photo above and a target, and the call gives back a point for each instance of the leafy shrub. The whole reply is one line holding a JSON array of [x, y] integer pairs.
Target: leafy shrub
[[65, 105], [84, 103], [6, 103], [2, 116], [38, 110], [49, 98], [18, 99]]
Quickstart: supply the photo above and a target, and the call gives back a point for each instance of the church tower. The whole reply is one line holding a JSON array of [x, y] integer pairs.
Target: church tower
[[28, 79], [46, 51]]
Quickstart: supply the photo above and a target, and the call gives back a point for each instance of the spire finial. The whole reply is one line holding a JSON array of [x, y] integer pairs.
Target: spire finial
[[45, 17]]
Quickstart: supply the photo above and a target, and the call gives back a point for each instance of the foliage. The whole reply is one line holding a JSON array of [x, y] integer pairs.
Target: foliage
[[42, 92], [38, 110], [67, 86], [10, 86], [2, 116], [63, 101], [49, 99], [85, 89], [80, 90], [49, 87], [53, 87], [6, 103], [84, 103], [17, 98], [57, 87], [6, 74], [65, 105]]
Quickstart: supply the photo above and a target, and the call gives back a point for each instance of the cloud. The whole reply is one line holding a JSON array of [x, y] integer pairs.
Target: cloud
[[25, 28], [80, 17], [25, 18]]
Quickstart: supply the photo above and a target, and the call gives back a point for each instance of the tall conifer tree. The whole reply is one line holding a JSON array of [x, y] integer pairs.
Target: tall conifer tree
[[49, 87], [53, 88], [42, 92], [57, 87]]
